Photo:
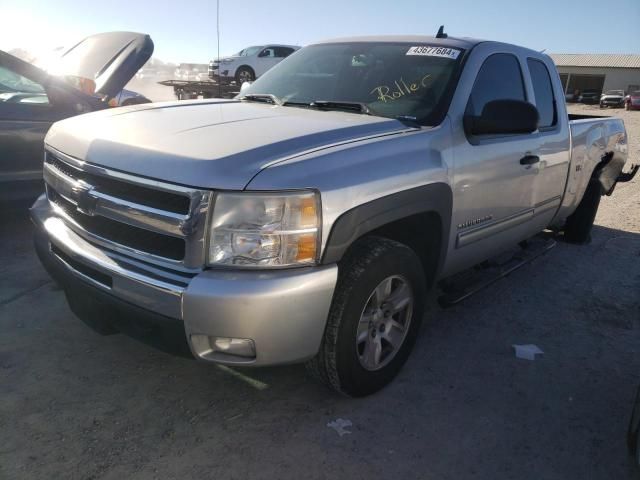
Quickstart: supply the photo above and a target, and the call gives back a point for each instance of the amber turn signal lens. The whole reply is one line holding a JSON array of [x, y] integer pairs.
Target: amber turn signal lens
[[306, 247], [308, 213]]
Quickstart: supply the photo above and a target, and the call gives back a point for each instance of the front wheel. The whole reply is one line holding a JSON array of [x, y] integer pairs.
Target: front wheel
[[374, 318], [244, 74]]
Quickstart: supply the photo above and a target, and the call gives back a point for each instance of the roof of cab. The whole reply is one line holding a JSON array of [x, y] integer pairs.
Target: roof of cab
[[465, 43]]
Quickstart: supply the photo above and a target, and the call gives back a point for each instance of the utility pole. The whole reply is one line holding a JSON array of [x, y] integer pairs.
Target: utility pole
[[218, 35]]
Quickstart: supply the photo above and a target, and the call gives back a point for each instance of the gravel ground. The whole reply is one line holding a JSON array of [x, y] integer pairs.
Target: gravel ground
[[74, 404]]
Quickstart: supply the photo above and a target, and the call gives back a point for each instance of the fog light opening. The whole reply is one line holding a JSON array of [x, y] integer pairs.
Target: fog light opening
[[224, 349], [241, 347]]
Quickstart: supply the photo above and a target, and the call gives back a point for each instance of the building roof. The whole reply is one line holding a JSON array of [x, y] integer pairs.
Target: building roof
[[605, 60]]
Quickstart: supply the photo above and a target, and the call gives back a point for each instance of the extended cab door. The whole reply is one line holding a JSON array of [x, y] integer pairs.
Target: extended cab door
[[506, 188], [493, 190]]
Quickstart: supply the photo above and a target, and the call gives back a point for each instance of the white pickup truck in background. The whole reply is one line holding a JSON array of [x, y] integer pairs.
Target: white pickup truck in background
[[305, 220]]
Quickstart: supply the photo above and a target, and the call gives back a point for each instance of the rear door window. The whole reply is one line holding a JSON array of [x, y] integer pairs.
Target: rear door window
[[543, 90], [283, 52]]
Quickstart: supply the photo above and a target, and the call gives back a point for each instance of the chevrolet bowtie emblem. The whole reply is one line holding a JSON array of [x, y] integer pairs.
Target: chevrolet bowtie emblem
[[85, 201]]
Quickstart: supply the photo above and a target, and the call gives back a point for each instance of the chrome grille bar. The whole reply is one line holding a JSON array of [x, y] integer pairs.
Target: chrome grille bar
[[73, 181], [92, 202]]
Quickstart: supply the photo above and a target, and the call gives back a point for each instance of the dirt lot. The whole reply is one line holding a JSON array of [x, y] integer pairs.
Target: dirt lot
[[74, 404]]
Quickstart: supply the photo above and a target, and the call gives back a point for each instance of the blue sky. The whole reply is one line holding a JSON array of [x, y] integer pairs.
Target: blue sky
[[185, 30]]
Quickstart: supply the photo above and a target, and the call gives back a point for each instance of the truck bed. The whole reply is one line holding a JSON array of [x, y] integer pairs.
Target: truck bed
[[578, 116], [595, 139]]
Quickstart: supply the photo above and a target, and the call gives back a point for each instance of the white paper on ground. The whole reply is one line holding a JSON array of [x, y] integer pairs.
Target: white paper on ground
[[340, 425], [527, 352]]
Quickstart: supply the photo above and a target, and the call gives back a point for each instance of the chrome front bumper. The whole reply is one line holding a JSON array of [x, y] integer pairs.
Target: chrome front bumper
[[282, 313]]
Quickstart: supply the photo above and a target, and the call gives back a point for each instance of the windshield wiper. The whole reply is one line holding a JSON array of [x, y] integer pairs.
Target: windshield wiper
[[348, 106], [261, 97]]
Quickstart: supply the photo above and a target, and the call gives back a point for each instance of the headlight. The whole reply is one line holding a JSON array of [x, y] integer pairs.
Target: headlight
[[265, 229]]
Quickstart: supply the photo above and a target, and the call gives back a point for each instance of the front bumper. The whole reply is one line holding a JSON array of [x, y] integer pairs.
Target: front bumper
[[282, 313], [612, 102]]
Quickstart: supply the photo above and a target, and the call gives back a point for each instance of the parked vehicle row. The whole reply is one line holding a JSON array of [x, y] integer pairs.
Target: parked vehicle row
[[610, 98]]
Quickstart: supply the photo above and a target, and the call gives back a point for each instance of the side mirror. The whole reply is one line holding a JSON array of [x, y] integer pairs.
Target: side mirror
[[503, 117], [244, 86]]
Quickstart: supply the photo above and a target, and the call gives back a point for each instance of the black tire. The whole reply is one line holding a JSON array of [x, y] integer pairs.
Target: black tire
[[636, 452], [245, 74], [578, 226], [370, 261]]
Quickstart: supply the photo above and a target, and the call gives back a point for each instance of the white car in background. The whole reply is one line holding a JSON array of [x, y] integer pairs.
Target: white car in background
[[249, 63]]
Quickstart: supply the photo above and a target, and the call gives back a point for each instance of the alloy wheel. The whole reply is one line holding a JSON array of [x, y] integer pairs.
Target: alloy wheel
[[384, 322]]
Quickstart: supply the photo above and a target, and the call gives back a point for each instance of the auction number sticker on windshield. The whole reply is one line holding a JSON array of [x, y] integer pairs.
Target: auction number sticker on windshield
[[427, 51]]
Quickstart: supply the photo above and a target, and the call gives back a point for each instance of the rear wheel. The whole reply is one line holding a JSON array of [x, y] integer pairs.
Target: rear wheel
[[374, 318], [579, 224]]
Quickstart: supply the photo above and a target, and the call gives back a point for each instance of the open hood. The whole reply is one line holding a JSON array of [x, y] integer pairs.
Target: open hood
[[109, 59]]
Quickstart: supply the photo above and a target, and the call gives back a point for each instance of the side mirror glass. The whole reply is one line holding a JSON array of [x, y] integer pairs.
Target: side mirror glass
[[503, 117]]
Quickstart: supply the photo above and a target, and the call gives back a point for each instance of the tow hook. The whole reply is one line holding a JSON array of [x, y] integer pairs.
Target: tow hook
[[628, 176]]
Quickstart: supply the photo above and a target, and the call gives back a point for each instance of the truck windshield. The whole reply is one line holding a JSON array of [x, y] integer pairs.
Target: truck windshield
[[395, 80], [247, 52]]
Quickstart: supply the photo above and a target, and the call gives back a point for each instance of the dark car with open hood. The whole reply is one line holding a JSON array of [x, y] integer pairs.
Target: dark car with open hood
[[85, 78]]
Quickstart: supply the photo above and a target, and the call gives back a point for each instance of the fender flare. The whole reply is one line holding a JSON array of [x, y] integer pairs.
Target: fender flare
[[353, 224]]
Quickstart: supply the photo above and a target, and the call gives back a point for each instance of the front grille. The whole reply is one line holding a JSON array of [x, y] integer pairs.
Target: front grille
[[121, 233], [161, 200], [160, 224]]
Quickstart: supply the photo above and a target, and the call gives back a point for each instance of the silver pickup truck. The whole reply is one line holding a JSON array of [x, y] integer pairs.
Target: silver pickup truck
[[305, 220]]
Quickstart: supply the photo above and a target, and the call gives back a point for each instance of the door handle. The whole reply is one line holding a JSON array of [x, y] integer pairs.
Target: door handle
[[529, 160]]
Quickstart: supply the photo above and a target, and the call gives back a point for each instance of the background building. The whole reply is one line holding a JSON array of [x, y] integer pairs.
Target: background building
[[601, 72]]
